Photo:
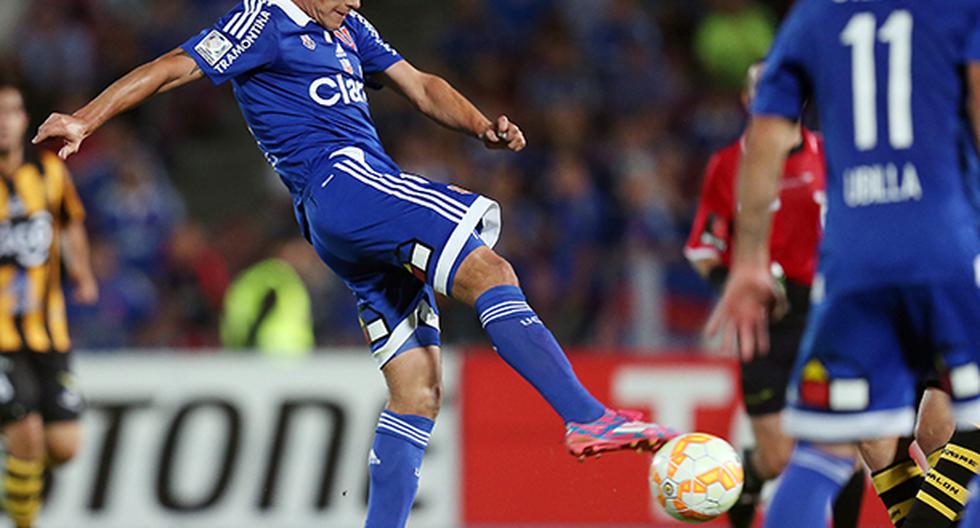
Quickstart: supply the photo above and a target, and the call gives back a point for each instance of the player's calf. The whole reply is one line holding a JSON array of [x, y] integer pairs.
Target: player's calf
[[62, 441], [402, 435], [488, 282], [943, 496], [23, 483]]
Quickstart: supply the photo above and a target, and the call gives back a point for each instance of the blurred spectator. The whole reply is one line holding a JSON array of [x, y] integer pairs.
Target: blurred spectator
[[134, 205], [195, 278], [267, 307], [619, 110], [55, 48], [127, 301], [735, 34]]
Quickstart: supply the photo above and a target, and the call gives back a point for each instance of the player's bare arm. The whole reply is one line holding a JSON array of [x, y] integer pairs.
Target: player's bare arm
[[166, 73], [79, 263], [436, 98], [973, 78], [742, 314]]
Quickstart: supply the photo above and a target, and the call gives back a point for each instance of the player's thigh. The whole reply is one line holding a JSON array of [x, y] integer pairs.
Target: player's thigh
[[766, 377], [852, 380], [59, 395], [879, 453], [480, 271], [366, 212], [934, 424], [20, 390], [62, 441], [414, 381]]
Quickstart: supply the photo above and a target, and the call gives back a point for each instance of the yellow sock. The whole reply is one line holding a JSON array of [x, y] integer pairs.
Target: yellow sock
[[897, 485], [23, 483]]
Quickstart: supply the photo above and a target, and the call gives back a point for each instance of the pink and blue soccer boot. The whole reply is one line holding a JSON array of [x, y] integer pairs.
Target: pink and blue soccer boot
[[616, 431]]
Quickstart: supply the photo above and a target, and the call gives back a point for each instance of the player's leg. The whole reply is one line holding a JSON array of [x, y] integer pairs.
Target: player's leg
[[895, 475], [61, 405], [487, 282], [414, 379], [763, 462], [764, 383], [851, 382], [62, 441], [950, 317], [386, 235], [23, 430], [934, 425], [24, 469], [814, 477]]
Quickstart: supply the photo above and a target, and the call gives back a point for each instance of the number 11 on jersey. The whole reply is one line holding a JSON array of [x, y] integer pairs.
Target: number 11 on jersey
[[859, 34]]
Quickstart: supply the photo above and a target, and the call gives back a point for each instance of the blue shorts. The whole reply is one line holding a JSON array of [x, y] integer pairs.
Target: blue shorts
[[864, 353], [396, 239]]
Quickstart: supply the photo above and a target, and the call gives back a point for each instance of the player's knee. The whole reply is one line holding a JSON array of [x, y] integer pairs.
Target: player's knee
[[421, 400], [932, 433], [25, 437], [62, 452], [480, 271], [934, 424], [772, 460]]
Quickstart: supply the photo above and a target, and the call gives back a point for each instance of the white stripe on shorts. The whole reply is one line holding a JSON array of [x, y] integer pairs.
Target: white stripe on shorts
[[449, 203], [397, 194]]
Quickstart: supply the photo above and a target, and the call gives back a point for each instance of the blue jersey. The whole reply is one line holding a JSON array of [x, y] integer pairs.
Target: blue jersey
[[887, 79], [301, 88]]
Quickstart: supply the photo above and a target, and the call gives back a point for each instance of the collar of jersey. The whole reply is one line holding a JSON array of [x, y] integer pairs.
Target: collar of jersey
[[293, 11]]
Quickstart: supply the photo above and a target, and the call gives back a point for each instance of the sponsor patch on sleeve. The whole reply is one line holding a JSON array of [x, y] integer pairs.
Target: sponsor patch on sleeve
[[213, 47]]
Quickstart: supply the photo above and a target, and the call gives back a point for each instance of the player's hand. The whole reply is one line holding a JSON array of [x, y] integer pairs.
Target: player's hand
[[69, 129], [742, 314], [86, 290], [503, 134]]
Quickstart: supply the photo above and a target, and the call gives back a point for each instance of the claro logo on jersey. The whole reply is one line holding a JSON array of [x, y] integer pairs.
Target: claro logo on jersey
[[328, 91], [217, 50], [26, 240]]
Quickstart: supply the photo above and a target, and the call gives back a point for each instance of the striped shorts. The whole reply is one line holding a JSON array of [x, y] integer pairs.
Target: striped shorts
[[395, 239]]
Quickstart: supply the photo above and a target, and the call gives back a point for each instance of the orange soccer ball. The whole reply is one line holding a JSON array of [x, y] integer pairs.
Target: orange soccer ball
[[696, 477]]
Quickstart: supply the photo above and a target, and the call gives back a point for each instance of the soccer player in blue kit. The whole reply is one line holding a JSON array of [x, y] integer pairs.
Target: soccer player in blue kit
[[898, 293], [299, 70]]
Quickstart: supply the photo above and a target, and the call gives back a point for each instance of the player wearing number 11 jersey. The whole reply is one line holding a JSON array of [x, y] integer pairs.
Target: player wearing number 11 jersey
[[898, 288]]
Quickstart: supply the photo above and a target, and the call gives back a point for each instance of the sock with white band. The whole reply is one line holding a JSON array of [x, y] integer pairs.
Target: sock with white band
[[395, 465], [528, 347], [810, 483]]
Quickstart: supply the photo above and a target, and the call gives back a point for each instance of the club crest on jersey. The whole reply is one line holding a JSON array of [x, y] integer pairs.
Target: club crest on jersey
[[308, 43], [344, 35], [344, 61]]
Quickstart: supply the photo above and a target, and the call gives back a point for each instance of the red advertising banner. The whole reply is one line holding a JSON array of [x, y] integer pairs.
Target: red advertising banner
[[516, 471]]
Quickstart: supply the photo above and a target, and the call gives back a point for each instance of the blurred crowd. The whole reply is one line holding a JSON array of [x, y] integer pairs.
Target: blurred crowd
[[622, 102]]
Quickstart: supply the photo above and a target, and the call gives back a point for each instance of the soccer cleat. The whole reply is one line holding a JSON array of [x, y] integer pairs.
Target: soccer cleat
[[616, 431]]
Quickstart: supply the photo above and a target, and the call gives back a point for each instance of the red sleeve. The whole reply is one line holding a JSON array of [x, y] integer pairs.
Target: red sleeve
[[711, 233]]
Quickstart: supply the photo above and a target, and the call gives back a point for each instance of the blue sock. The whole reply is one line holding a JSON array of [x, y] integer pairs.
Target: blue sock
[[394, 465], [530, 349], [809, 485]]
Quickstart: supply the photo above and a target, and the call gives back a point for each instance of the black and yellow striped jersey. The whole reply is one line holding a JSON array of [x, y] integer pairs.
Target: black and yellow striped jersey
[[35, 203]]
